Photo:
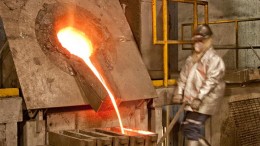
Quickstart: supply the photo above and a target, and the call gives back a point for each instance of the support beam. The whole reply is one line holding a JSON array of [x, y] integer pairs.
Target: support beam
[[9, 92]]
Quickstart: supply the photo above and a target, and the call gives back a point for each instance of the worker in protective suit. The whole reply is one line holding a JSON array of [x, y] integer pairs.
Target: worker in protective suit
[[200, 85]]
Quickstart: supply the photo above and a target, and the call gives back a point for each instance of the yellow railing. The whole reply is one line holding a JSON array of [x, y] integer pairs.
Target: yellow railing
[[159, 83], [165, 42], [9, 92], [235, 46]]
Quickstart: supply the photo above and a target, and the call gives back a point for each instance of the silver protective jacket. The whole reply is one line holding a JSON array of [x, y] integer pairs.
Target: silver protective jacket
[[203, 80]]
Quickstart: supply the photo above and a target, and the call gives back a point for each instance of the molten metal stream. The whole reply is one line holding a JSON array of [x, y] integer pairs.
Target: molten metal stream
[[77, 43], [139, 131]]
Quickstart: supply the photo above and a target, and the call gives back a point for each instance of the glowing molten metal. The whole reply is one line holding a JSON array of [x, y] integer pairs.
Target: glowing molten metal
[[77, 43], [139, 131]]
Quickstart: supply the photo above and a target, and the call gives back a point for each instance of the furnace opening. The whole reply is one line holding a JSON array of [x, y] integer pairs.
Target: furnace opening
[[52, 18]]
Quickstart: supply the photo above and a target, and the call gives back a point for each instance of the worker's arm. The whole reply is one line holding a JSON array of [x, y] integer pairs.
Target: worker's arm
[[215, 73]]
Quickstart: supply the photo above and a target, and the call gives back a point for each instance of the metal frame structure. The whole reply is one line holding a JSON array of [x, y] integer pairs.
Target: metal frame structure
[[165, 42], [236, 46]]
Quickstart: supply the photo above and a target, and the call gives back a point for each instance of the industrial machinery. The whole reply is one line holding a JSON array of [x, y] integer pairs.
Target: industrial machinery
[[103, 95], [64, 100]]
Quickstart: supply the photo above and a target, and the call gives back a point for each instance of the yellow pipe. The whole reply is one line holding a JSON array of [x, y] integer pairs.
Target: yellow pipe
[[182, 35], [179, 42], [225, 21], [213, 22], [173, 42], [236, 27], [165, 41], [7, 92], [195, 15], [206, 13], [191, 2], [159, 83], [250, 19], [222, 21], [154, 21]]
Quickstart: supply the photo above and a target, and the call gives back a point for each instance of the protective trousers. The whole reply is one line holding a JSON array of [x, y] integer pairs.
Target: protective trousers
[[193, 127]]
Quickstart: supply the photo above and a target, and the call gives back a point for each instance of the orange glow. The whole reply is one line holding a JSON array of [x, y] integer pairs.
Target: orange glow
[[139, 131], [77, 43]]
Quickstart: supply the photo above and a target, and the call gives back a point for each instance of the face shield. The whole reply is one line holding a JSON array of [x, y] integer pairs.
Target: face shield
[[199, 46], [200, 37]]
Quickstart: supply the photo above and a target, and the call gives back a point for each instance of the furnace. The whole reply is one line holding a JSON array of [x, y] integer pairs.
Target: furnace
[[63, 95], [103, 72], [50, 77]]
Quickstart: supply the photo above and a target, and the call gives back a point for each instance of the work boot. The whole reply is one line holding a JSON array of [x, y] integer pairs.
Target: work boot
[[192, 143]]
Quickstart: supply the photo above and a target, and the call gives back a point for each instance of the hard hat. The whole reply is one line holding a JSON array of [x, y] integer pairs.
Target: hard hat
[[202, 32]]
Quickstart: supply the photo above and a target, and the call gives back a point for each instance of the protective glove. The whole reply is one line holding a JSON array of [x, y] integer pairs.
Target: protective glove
[[187, 99], [195, 104], [177, 98]]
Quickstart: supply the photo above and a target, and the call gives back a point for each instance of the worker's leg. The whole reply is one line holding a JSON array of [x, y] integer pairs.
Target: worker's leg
[[192, 143], [193, 127]]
